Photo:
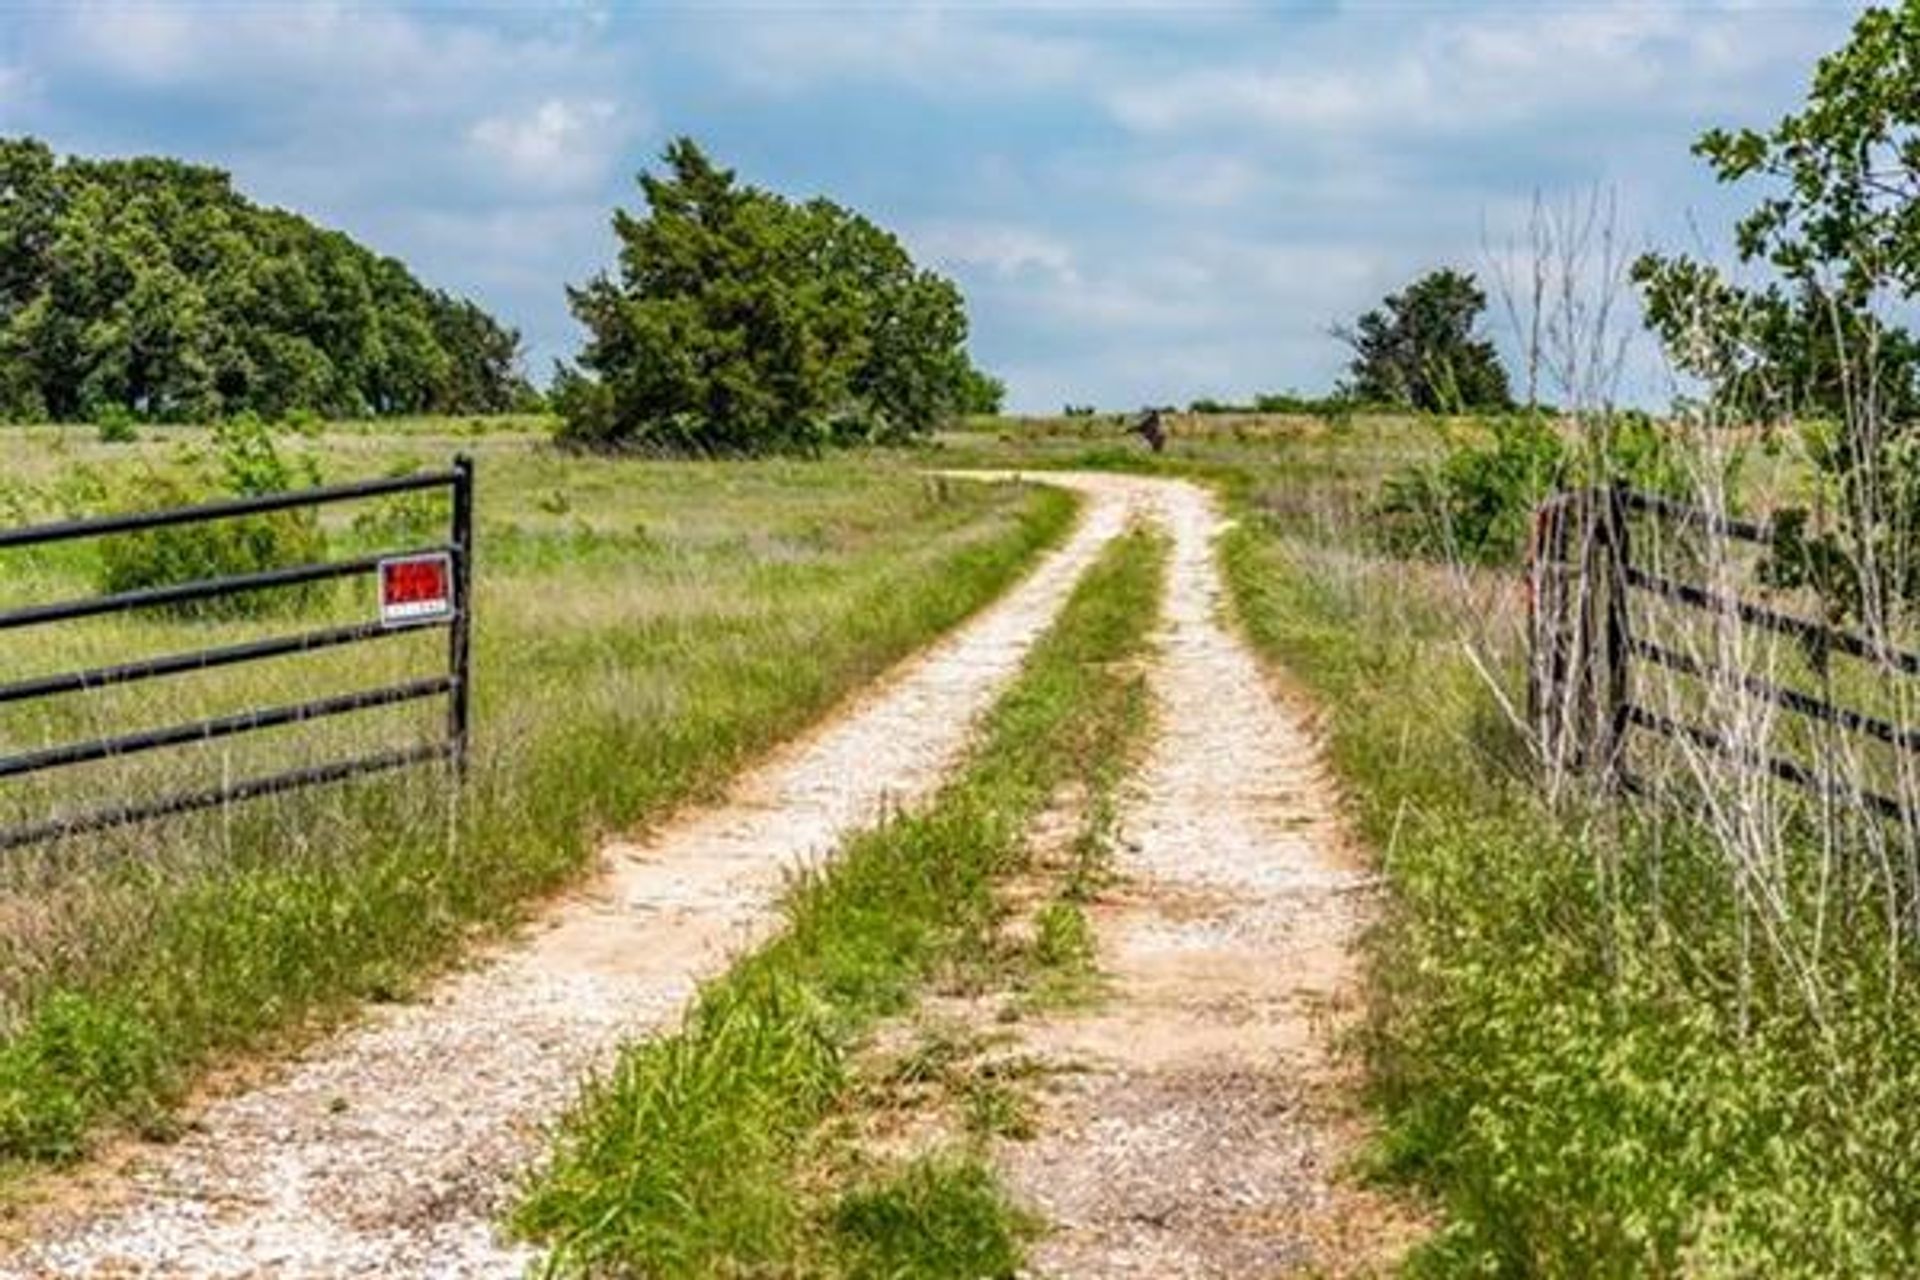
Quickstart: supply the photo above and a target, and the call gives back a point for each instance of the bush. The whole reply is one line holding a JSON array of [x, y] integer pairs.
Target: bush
[[1474, 505], [303, 422], [1477, 504], [250, 465], [117, 425]]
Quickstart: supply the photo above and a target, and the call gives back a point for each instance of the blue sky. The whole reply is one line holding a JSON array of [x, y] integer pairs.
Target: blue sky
[[1143, 202]]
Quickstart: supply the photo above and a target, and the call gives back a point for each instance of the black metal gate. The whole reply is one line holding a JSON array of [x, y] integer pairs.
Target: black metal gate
[[450, 565], [1584, 572]]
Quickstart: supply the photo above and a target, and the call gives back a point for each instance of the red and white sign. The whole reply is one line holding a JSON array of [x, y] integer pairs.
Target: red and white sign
[[416, 589]]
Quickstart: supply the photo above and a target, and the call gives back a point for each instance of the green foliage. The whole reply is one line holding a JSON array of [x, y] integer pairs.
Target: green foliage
[[1063, 938], [982, 394], [1836, 230], [1276, 402], [1419, 349], [1773, 352], [151, 287], [743, 323], [117, 425], [1477, 502], [77, 1056], [940, 1218], [1558, 1050], [250, 464]]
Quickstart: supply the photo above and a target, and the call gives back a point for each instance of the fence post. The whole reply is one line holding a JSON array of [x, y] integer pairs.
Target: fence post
[[460, 634], [1557, 635], [1619, 660]]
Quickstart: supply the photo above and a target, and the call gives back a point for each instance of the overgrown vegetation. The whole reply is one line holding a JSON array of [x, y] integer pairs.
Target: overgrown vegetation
[[1558, 1041], [704, 613], [1474, 502], [249, 463], [1825, 334], [742, 323], [151, 288], [704, 1152]]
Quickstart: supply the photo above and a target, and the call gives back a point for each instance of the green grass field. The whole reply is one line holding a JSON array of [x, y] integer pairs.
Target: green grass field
[[643, 629]]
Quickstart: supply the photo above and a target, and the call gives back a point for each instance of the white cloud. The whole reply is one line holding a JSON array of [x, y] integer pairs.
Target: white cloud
[[558, 145], [930, 50], [1462, 71], [326, 57], [1001, 248]]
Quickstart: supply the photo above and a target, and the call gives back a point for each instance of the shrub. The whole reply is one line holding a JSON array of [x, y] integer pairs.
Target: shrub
[[304, 422], [1476, 503], [250, 465], [116, 424]]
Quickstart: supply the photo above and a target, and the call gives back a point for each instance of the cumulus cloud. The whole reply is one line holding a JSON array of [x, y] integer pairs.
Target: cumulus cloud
[[558, 145]]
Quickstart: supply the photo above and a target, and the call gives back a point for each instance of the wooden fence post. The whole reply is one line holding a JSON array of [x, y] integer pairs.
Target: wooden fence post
[[1619, 637]]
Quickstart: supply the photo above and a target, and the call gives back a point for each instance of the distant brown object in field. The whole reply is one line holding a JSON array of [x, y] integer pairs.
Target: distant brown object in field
[[1150, 427]]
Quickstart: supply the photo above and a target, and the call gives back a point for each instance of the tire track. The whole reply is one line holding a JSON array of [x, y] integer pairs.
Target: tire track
[[1206, 1134]]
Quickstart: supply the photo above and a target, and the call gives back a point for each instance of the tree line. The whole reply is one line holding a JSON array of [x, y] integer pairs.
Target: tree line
[[151, 287], [737, 321]]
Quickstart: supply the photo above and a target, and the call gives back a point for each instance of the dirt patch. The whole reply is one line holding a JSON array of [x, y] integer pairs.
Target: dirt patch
[[391, 1148]]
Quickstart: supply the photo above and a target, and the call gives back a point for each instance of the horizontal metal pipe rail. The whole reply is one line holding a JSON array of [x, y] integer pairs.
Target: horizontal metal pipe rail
[[454, 682], [1790, 699], [264, 504], [201, 589], [1820, 634], [1713, 522], [217, 797], [221, 727], [1603, 511], [200, 660], [1791, 771]]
